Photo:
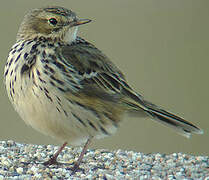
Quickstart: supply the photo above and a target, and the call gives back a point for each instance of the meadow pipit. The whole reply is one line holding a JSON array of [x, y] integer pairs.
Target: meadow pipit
[[65, 87]]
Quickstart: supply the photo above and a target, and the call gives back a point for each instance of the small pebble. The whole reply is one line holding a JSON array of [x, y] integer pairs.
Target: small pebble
[[19, 170]]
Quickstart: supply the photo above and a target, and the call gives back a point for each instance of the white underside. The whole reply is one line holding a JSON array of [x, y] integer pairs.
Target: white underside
[[39, 112]]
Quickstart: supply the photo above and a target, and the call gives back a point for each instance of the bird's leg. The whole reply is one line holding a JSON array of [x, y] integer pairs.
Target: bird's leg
[[76, 165], [53, 159]]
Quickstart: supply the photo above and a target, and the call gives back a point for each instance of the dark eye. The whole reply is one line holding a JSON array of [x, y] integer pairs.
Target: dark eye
[[53, 21]]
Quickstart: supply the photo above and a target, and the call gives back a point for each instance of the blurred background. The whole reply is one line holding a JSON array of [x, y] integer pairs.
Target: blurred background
[[161, 46]]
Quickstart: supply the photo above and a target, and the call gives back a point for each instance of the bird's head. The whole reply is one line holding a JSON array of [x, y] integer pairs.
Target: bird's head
[[52, 23]]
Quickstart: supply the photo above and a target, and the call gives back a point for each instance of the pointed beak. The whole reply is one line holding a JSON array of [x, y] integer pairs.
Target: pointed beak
[[80, 22]]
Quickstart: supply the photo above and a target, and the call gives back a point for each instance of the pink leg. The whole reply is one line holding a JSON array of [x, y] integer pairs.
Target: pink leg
[[76, 165], [53, 159]]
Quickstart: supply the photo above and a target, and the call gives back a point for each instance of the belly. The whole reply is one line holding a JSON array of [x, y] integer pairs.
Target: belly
[[46, 108], [52, 114]]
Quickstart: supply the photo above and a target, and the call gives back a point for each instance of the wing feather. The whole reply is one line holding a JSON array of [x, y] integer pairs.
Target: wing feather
[[99, 77], [93, 67]]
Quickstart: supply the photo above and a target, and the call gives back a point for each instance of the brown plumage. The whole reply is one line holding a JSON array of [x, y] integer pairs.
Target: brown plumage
[[65, 87]]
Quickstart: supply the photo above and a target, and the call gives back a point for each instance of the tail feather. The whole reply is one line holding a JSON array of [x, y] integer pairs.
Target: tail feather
[[182, 126]]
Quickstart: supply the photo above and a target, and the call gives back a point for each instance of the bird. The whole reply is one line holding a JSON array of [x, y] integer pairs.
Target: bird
[[65, 87]]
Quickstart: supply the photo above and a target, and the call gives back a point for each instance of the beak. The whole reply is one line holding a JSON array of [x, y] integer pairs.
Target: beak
[[80, 22]]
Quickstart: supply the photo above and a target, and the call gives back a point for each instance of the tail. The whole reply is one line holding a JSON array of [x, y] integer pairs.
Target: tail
[[182, 126]]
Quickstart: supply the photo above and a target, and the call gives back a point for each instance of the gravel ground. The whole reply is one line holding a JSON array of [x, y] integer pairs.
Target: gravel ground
[[23, 161]]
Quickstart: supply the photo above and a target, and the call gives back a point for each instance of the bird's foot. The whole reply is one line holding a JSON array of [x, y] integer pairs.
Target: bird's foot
[[76, 168], [51, 161]]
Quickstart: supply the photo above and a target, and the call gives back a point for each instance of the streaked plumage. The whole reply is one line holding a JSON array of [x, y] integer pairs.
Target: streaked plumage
[[65, 87]]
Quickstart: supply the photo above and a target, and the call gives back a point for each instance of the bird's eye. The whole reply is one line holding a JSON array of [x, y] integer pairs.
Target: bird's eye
[[53, 21]]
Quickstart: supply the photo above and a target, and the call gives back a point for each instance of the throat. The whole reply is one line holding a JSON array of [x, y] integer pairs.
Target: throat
[[71, 35]]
